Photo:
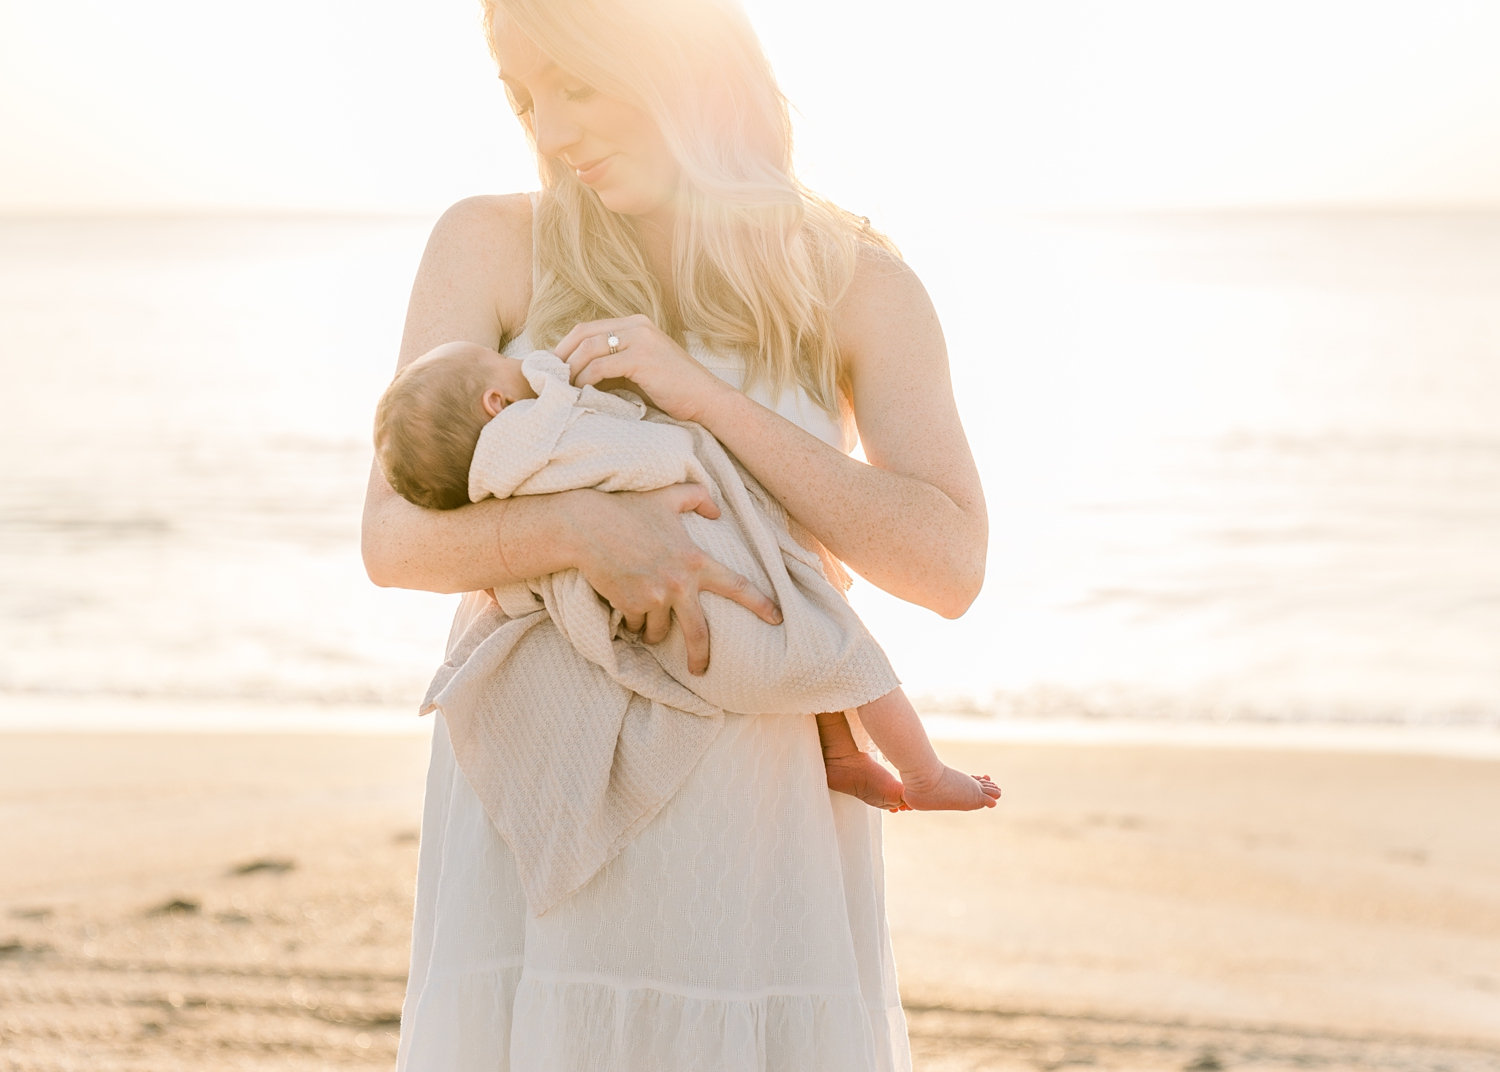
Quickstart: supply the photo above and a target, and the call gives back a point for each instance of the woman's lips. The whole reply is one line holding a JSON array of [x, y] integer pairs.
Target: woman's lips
[[594, 170]]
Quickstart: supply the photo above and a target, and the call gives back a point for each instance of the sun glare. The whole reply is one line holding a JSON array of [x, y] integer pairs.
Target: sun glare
[[1016, 105]]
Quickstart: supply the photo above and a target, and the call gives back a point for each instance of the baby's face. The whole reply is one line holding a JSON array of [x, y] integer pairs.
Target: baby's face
[[503, 380]]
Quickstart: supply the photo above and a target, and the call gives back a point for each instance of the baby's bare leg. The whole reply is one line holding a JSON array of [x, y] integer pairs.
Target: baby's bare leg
[[927, 783], [851, 771]]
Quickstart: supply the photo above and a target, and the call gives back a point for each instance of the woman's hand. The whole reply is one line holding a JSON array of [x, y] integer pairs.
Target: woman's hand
[[663, 371], [636, 554]]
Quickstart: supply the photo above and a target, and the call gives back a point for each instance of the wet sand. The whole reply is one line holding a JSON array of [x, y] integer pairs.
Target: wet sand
[[174, 901]]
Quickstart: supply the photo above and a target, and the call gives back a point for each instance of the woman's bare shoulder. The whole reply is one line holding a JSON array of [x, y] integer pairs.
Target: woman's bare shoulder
[[885, 310], [475, 278], [492, 233], [494, 214]]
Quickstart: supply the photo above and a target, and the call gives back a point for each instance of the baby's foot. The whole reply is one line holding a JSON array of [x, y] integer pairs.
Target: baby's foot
[[861, 775], [950, 790]]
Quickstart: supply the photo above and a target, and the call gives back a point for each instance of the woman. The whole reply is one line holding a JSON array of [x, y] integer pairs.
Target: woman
[[744, 928]]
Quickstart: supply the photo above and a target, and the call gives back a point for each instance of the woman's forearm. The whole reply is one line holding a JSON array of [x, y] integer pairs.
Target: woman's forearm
[[904, 534], [475, 547], [631, 547]]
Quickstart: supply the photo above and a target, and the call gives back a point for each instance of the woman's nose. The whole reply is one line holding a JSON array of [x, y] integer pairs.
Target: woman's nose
[[554, 131]]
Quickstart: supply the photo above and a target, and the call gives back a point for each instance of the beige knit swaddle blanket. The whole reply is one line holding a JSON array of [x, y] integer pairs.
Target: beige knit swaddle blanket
[[572, 733]]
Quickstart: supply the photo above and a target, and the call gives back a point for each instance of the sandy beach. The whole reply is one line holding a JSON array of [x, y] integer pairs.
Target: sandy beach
[[240, 900]]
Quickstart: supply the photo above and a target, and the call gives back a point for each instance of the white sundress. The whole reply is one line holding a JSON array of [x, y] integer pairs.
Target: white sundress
[[744, 930]]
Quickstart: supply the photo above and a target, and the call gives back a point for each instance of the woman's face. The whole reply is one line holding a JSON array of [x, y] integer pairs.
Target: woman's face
[[614, 148]]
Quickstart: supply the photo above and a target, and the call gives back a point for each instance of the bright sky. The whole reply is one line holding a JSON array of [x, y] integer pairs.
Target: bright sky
[[1013, 104]]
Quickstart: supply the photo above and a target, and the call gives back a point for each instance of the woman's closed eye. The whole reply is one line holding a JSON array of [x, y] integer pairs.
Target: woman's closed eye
[[521, 102]]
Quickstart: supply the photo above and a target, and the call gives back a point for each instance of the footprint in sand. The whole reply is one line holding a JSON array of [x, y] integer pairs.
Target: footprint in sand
[[38, 912], [178, 906], [267, 865]]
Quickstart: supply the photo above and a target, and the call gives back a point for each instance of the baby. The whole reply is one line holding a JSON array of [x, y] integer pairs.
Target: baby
[[442, 442]]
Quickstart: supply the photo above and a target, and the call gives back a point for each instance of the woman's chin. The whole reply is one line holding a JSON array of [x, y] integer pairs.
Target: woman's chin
[[638, 203]]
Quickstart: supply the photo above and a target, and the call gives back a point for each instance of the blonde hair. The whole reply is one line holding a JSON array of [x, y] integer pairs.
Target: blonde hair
[[427, 424], [758, 260]]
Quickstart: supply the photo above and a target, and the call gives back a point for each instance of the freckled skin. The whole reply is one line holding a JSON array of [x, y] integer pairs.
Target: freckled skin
[[912, 521]]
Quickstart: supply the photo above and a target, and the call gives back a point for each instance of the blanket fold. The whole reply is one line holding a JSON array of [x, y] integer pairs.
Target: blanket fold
[[574, 734]]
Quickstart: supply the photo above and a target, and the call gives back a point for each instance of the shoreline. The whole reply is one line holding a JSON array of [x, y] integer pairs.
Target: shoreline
[[96, 713]]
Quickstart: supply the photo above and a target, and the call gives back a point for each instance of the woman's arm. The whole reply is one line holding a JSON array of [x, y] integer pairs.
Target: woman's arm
[[912, 521], [468, 286], [474, 284]]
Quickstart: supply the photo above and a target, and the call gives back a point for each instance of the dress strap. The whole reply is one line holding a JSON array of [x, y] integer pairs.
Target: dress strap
[[535, 197]]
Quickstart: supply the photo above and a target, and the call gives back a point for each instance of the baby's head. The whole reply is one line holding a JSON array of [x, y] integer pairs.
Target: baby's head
[[428, 421]]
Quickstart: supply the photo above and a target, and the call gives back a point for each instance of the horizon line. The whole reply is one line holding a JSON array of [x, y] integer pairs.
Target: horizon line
[[86, 213]]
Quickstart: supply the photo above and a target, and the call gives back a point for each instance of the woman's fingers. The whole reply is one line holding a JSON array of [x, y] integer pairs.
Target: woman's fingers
[[589, 330], [694, 634], [723, 581], [716, 577], [693, 498], [658, 622], [590, 340], [589, 360], [658, 572], [633, 350]]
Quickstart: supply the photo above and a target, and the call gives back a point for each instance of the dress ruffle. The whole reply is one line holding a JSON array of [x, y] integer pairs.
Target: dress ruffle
[[727, 937], [612, 1025]]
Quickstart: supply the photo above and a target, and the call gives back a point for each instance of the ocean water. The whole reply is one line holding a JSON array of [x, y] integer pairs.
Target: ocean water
[[1238, 466]]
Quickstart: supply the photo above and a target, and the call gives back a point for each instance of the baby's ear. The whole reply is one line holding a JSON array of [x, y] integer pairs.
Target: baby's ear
[[493, 401]]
